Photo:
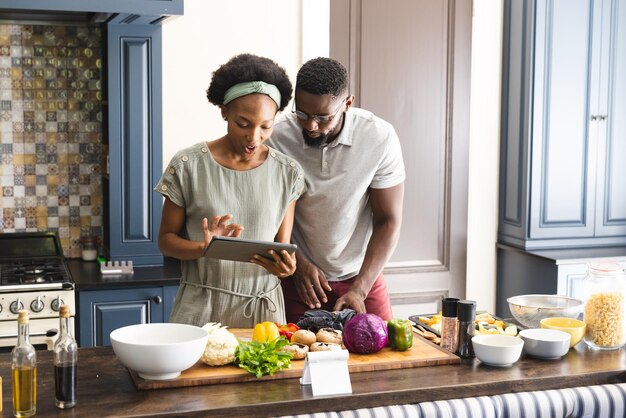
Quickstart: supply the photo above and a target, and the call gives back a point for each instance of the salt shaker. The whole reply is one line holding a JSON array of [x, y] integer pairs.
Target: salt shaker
[[449, 324], [466, 313], [89, 250]]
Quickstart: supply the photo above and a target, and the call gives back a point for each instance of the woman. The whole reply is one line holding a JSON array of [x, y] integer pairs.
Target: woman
[[233, 178]]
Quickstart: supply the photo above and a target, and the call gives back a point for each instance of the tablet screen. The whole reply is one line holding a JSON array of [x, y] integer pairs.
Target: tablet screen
[[237, 249]]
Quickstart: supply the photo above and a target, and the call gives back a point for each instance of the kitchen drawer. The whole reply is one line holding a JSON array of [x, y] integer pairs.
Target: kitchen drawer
[[102, 311]]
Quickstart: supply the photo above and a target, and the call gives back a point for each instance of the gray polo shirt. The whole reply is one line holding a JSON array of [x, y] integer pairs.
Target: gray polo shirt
[[333, 221]]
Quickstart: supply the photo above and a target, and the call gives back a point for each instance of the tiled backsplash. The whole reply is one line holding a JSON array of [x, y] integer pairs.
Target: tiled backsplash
[[51, 131]]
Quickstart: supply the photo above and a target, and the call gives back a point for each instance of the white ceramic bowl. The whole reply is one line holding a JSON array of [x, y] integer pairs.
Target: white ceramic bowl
[[529, 310], [545, 343], [159, 351], [497, 349]]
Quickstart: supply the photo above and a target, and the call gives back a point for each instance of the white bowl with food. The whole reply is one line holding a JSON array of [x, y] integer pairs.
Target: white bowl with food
[[497, 349], [529, 310], [545, 343], [159, 351]]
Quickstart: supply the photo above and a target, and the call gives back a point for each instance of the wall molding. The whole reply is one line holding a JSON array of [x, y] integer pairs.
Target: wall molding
[[415, 298]]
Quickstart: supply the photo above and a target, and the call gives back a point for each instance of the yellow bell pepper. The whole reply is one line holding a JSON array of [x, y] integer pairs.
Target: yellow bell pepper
[[265, 332]]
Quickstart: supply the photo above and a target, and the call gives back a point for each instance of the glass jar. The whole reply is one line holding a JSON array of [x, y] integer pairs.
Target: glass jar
[[449, 324], [89, 248], [605, 307]]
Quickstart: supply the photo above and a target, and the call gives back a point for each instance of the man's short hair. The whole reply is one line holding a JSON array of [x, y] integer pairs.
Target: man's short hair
[[323, 76]]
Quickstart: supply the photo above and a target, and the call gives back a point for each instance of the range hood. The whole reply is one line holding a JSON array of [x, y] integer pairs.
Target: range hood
[[91, 11]]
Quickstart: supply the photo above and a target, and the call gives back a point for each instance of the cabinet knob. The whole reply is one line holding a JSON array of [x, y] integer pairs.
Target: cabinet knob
[[603, 117], [595, 117], [157, 299]]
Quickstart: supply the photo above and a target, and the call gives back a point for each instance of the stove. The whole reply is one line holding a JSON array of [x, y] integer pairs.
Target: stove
[[35, 277]]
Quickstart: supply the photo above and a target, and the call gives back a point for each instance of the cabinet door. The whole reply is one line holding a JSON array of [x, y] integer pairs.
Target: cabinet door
[[424, 46], [571, 277], [135, 143], [169, 296], [563, 154], [103, 311], [611, 124], [570, 281]]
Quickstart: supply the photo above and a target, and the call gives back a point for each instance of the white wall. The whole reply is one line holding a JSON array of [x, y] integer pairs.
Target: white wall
[[484, 153], [211, 32]]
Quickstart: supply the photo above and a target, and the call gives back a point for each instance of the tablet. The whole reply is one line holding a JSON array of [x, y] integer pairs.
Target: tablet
[[237, 249]]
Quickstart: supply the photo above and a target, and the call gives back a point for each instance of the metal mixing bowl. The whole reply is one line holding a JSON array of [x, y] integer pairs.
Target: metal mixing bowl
[[528, 310]]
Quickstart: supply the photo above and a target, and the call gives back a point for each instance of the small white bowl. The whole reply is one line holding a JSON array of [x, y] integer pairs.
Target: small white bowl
[[159, 351], [497, 350], [545, 343]]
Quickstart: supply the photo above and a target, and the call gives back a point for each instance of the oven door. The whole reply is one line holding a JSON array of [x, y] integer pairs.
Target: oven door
[[43, 333]]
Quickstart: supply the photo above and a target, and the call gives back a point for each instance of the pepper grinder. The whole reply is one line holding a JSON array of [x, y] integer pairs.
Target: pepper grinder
[[449, 324], [466, 313]]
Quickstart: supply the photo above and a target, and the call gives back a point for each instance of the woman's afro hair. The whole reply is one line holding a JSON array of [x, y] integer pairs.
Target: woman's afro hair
[[322, 76], [248, 67]]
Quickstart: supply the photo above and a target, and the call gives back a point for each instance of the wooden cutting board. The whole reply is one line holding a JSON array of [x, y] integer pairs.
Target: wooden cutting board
[[422, 353]]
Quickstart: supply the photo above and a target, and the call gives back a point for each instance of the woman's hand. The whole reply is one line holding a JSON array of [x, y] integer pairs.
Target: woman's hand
[[280, 265], [219, 227]]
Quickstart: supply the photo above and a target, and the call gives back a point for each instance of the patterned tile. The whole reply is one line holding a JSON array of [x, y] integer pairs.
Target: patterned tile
[[51, 131]]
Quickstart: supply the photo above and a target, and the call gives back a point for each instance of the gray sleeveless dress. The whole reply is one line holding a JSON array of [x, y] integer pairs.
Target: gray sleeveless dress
[[234, 293]]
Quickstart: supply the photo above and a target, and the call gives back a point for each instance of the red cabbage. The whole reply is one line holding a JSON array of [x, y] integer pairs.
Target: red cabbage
[[365, 333]]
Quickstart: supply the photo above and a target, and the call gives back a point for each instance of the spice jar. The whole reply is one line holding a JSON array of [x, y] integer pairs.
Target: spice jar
[[89, 248], [449, 324], [605, 308], [466, 313]]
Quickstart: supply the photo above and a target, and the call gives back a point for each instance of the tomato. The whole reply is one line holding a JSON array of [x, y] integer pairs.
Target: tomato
[[287, 329]]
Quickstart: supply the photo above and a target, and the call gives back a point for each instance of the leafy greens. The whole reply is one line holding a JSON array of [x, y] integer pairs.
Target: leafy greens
[[261, 358]]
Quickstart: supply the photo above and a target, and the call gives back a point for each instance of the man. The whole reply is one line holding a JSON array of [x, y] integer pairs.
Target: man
[[348, 222]]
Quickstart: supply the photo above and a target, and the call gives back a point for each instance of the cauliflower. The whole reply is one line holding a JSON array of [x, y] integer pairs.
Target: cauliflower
[[221, 346]]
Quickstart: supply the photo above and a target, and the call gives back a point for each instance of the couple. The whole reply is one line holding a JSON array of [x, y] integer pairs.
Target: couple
[[327, 176]]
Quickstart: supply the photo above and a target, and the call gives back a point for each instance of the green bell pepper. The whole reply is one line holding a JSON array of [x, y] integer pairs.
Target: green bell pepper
[[400, 334]]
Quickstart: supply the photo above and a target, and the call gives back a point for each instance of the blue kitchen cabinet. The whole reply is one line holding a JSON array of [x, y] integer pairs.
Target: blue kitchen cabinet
[[102, 311], [563, 134], [133, 213], [563, 144]]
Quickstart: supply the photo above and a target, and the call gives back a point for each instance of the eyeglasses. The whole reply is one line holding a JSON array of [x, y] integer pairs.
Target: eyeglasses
[[319, 119]]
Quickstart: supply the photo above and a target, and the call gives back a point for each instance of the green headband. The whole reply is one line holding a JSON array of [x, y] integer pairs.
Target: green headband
[[249, 87]]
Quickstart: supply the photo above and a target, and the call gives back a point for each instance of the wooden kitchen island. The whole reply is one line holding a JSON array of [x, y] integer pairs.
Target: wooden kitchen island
[[105, 387]]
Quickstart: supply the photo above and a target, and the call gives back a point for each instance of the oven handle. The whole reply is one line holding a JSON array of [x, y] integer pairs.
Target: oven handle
[[50, 333]]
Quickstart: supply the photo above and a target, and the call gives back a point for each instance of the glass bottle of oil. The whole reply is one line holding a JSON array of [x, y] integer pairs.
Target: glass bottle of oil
[[65, 358], [24, 371]]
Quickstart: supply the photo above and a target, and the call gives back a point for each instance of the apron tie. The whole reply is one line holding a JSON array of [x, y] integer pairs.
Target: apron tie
[[261, 296]]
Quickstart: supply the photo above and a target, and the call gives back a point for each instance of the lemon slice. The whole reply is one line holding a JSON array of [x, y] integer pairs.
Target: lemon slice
[[511, 330]]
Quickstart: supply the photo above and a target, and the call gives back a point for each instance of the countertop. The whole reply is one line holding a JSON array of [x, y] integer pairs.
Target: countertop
[[87, 276], [105, 387], [573, 255]]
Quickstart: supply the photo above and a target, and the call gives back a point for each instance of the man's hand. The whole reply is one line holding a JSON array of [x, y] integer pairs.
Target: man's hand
[[352, 299], [310, 283]]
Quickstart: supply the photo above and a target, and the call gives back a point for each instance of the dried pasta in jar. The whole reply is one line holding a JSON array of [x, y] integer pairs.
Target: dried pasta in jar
[[604, 315], [605, 287]]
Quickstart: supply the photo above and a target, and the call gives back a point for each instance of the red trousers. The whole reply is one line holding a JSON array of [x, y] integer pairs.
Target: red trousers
[[377, 301]]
